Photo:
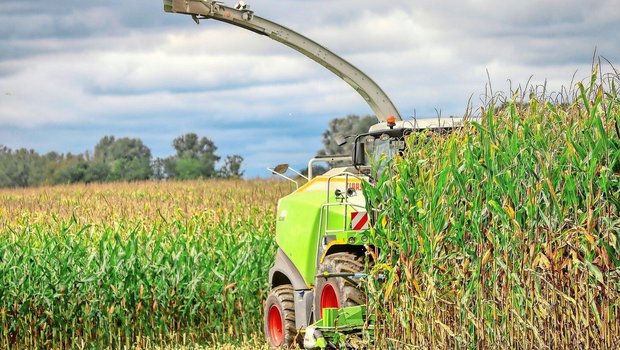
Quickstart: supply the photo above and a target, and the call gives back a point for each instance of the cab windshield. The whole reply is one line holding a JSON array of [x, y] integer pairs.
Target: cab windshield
[[381, 150]]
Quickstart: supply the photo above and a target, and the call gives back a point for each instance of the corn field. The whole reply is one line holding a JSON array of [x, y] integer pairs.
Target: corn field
[[135, 265], [506, 233]]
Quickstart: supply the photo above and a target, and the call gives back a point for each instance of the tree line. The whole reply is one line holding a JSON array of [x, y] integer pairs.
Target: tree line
[[117, 159], [128, 159]]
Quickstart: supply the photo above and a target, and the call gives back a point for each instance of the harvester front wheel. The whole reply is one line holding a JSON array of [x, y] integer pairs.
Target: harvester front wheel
[[279, 319], [338, 292]]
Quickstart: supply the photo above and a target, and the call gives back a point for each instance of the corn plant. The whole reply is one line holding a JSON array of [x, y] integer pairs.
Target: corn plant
[[135, 265], [505, 233]]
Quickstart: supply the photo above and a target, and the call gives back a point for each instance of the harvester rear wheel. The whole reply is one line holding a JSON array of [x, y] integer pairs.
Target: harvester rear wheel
[[279, 317], [337, 291]]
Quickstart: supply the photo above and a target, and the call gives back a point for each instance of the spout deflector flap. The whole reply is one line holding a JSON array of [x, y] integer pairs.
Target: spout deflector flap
[[168, 6]]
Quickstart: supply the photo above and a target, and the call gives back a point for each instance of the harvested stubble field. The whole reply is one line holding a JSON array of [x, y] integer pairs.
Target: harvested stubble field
[[503, 234]]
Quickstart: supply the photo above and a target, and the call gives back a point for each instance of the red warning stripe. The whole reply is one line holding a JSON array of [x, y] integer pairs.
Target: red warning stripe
[[359, 220]]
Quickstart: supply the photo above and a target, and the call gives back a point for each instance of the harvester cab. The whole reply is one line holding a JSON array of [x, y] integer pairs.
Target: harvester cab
[[322, 227]]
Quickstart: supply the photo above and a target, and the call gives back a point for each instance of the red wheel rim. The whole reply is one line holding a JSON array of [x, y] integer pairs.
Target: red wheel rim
[[328, 298], [275, 326]]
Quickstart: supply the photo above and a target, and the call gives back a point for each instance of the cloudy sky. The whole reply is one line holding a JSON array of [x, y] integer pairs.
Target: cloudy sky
[[73, 71]]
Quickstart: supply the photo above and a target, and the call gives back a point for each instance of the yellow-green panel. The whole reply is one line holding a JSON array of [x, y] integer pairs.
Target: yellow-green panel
[[297, 229], [299, 213]]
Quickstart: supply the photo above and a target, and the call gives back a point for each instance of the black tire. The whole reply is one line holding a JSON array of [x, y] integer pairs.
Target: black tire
[[346, 293], [280, 331]]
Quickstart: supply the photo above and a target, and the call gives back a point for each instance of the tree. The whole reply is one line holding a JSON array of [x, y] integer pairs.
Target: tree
[[52, 163], [170, 167], [128, 159], [125, 159], [189, 146], [159, 169], [103, 149], [96, 172], [5, 178], [188, 169], [20, 168], [72, 172], [352, 125], [232, 167], [195, 157]]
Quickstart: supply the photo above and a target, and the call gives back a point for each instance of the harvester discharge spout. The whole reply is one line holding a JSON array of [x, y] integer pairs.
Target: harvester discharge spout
[[241, 16]]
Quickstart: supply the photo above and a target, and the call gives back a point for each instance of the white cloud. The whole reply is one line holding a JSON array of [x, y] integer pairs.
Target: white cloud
[[117, 65]]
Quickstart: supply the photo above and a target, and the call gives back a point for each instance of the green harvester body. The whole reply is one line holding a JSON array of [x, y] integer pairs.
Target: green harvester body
[[308, 215]]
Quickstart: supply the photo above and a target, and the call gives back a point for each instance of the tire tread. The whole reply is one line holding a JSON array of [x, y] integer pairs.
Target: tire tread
[[283, 295]]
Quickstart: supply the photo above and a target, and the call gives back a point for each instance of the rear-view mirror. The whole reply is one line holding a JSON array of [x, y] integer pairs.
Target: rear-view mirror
[[281, 168], [359, 155]]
